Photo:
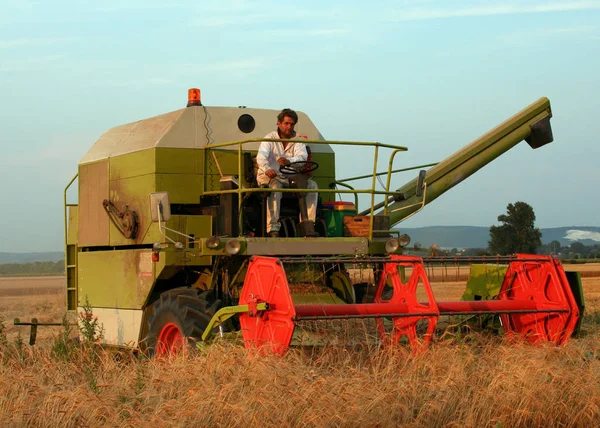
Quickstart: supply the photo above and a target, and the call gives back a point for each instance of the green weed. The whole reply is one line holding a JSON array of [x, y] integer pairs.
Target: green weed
[[64, 346], [3, 338], [91, 330]]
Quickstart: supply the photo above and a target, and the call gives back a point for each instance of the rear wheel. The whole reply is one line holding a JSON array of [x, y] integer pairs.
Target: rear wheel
[[179, 317]]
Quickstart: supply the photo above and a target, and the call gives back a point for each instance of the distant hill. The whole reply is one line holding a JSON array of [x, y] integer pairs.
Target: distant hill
[[50, 256], [449, 236], [478, 237], [587, 235]]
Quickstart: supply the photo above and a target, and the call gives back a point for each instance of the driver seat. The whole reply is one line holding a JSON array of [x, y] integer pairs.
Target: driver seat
[[289, 209]]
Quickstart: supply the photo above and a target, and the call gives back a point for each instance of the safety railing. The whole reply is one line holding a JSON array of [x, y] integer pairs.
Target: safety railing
[[70, 256], [387, 193]]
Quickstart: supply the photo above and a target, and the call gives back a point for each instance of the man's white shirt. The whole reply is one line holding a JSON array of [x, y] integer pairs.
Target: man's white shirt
[[270, 151]]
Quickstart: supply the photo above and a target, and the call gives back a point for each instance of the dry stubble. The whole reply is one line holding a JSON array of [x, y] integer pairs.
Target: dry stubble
[[475, 381]]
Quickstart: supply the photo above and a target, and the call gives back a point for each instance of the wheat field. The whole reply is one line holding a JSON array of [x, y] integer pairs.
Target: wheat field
[[468, 380]]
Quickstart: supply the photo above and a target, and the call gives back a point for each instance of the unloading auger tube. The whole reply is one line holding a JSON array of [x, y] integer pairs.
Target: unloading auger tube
[[535, 302], [531, 124]]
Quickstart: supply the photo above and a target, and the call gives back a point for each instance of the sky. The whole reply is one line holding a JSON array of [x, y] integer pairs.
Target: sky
[[431, 75]]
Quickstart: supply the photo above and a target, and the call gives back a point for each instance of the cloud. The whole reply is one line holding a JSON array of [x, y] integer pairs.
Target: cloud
[[18, 43], [229, 6], [327, 32], [241, 66], [235, 68], [580, 235], [536, 36], [255, 19], [158, 81], [150, 81], [417, 14], [322, 33], [580, 29], [32, 63], [137, 6], [241, 14]]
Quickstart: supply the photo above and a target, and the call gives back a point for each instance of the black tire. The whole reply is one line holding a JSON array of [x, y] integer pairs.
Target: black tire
[[187, 309]]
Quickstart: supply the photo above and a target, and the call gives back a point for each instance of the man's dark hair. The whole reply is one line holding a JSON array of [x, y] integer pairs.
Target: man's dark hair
[[289, 113]]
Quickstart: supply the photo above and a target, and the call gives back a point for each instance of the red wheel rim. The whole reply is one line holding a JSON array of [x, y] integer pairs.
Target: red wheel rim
[[170, 340]]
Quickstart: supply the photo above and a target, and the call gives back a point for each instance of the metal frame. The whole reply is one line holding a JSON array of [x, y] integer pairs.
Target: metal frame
[[370, 191], [66, 239]]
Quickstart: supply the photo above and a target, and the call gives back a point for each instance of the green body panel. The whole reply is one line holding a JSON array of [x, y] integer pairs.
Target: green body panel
[[181, 161], [132, 164], [134, 176], [176, 259], [153, 234], [227, 160], [115, 279], [199, 225], [484, 282], [182, 188], [133, 192]]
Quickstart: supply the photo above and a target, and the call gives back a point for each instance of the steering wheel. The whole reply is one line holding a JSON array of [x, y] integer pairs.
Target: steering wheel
[[299, 167]]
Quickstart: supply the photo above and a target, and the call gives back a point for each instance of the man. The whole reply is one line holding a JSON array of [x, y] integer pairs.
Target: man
[[271, 155]]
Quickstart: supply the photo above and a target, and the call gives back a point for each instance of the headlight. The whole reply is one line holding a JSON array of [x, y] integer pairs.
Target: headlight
[[404, 240], [213, 242], [392, 245], [233, 246]]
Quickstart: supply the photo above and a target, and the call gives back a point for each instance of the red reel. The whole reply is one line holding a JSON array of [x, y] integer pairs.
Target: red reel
[[545, 283], [407, 293], [270, 330]]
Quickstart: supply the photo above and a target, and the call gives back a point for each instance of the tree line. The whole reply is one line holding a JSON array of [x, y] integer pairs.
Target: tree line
[[517, 234], [31, 269]]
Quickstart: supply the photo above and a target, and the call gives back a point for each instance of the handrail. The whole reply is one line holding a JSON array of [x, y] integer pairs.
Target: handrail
[[295, 140], [240, 191], [387, 184], [339, 183], [373, 181], [66, 205], [289, 190], [360, 177], [65, 213]]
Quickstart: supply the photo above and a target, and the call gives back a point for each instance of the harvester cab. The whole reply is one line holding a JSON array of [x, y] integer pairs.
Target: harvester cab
[[193, 259]]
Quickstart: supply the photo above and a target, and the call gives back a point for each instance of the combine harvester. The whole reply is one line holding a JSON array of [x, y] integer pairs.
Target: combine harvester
[[167, 241]]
